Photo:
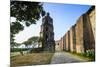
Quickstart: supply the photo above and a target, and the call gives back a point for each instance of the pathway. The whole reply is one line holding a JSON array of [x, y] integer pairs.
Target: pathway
[[64, 57]]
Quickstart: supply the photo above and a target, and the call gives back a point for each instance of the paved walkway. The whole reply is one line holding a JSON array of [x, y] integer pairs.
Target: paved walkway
[[64, 57]]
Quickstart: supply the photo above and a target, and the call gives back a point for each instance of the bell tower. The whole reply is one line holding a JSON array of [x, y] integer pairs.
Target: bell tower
[[47, 34]]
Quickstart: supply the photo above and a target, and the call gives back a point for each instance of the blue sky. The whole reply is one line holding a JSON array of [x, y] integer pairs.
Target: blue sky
[[64, 16]]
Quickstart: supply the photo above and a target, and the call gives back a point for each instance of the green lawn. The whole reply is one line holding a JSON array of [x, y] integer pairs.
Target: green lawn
[[82, 56], [31, 59]]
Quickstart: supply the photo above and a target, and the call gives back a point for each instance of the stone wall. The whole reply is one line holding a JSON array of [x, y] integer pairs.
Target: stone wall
[[67, 42], [72, 39], [91, 15], [81, 36], [64, 42], [92, 18]]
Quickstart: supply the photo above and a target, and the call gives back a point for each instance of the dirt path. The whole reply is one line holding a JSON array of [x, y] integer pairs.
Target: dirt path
[[64, 57]]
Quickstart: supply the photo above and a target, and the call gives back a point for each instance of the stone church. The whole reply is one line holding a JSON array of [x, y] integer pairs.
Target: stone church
[[47, 34]]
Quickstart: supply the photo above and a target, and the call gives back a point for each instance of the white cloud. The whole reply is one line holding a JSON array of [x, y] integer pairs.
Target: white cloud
[[28, 32]]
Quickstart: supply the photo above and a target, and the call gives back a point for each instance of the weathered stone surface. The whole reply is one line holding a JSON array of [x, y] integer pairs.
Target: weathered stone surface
[[68, 40], [67, 46], [47, 34], [61, 44], [91, 15], [79, 36], [72, 39], [58, 45], [64, 42], [91, 12], [85, 34]]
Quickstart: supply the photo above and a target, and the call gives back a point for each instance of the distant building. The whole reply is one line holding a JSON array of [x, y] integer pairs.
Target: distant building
[[58, 45]]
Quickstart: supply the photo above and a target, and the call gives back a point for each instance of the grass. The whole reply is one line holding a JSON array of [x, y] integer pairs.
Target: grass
[[82, 56], [31, 59], [12, 54]]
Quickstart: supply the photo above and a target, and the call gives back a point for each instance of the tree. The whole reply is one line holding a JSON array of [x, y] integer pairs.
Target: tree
[[31, 41], [17, 44], [26, 13], [27, 43]]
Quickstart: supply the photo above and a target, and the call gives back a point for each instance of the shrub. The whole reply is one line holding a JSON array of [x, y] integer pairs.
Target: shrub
[[90, 53]]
